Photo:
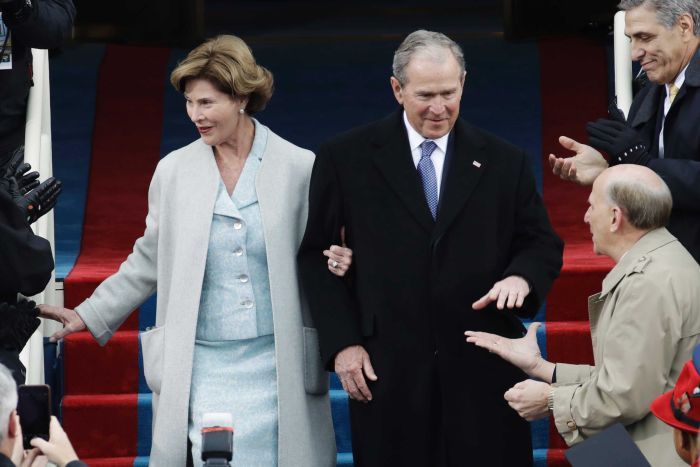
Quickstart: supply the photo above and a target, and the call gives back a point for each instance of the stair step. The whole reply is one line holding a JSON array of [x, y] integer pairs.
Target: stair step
[[108, 425], [581, 276]]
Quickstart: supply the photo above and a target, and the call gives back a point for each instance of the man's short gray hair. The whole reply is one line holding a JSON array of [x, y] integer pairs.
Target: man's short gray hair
[[423, 40], [8, 399], [646, 207], [668, 11]]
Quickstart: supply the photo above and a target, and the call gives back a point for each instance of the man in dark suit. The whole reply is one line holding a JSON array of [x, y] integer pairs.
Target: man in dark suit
[[448, 232], [662, 130]]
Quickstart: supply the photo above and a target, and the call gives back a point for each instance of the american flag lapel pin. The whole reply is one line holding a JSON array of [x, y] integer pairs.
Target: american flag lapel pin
[[476, 164]]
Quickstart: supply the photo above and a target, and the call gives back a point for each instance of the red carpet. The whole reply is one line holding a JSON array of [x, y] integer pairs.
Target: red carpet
[[574, 91], [126, 149]]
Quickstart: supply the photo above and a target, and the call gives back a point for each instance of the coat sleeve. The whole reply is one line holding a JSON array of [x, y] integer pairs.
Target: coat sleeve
[[48, 25], [536, 251], [328, 296], [115, 298], [645, 322], [26, 260]]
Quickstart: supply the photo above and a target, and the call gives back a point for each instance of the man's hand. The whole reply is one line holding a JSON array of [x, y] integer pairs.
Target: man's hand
[[529, 399], [58, 448], [523, 352], [583, 168], [352, 365], [69, 318], [510, 292]]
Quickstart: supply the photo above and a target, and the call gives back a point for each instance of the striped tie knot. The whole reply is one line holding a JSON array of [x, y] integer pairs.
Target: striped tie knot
[[427, 148], [672, 92]]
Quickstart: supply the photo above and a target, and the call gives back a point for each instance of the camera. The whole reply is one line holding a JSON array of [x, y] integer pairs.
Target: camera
[[217, 439]]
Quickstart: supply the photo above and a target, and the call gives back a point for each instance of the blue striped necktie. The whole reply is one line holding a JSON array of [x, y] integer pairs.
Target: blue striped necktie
[[426, 170]]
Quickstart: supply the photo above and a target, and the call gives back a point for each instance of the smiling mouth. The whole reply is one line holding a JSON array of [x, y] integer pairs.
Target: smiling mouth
[[203, 129]]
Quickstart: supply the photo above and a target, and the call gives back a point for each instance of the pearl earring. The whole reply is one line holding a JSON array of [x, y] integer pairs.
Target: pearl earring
[[241, 110]]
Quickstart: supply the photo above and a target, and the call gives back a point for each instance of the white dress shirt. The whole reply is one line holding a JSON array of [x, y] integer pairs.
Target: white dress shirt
[[680, 79], [438, 156]]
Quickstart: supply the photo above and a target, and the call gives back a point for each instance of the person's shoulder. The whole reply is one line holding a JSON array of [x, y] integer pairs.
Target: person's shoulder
[[278, 144], [501, 153], [184, 155], [366, 133]]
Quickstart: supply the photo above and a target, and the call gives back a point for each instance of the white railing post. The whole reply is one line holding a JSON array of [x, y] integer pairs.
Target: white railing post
[[623, 65], [37, 152]]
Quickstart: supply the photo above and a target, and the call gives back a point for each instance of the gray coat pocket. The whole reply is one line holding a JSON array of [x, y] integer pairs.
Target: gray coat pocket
[[316, 380], [152, 352]]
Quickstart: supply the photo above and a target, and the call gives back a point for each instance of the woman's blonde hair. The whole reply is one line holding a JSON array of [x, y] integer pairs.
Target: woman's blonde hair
[[228, 63]]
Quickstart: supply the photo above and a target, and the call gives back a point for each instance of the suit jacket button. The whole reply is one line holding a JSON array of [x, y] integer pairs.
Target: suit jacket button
[[571, 424]]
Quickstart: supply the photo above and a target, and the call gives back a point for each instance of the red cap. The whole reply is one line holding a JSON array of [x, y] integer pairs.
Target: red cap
[[680, 407]]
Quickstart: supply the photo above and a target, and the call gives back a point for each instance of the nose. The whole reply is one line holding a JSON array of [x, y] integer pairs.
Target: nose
[[194, 113], [587, 216], [437, 105], [637, 52]]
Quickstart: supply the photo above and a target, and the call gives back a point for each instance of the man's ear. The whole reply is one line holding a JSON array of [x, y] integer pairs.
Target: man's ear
[[616, 220], [397, 89], [13, 425], [687, 25], [464, 77]]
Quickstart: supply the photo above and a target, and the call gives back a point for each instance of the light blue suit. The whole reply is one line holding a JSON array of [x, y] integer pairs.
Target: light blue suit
[[234, 355]]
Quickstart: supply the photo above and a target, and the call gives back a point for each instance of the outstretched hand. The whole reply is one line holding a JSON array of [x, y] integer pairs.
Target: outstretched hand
[[72, 322], [583, 168], [523, 352], [509, 292]]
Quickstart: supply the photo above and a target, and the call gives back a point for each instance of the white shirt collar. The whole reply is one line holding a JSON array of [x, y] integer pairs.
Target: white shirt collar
[[415, 139]]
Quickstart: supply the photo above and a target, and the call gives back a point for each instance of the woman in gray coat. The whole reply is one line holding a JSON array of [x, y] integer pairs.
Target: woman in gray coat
[[226, 216]]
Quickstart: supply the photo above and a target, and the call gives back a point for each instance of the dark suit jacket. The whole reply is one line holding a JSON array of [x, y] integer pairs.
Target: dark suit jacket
[[491, 224], [408, 300], [680, 167]]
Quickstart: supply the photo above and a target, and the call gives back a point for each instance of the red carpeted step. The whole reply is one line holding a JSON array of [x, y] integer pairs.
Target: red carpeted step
[[102, 425], [555, 458], [569, 100], [569, 342], [581, 277], [91, 369], [110, 462]]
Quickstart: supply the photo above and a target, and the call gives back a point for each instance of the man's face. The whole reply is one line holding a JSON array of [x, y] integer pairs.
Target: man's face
[[660, 51], [432, 93], [599, 217]]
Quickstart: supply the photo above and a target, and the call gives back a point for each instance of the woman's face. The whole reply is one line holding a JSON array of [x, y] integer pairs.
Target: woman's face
[[215, 114]]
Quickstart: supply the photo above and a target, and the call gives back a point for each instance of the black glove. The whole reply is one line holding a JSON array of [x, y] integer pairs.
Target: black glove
[[39, 201], [18, 322], [622, 143], [26, 182]]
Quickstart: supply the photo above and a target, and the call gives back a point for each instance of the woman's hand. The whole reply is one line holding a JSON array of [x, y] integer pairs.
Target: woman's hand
[[523, 352], [339, 259], [71, 321]]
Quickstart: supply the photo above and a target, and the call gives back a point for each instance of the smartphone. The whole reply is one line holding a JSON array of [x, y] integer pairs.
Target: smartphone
[[34, 410]]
